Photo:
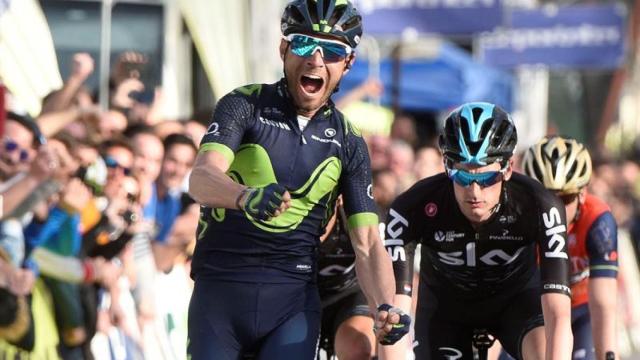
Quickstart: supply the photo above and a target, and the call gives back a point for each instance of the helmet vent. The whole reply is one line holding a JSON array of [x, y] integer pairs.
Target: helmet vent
[[537, 172], [572, 171], [313, 10], [477, 113], [297, 16], [353, 22], [474, 146], [464, 127]]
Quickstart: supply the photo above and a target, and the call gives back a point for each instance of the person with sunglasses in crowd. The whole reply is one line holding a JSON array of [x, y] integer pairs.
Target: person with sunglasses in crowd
[[563, 165], [483, 229], [267, 175]]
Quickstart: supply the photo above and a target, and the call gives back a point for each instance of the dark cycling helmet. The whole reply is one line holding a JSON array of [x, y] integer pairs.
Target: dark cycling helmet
[[478, 133], [337, 18], [561, 164]]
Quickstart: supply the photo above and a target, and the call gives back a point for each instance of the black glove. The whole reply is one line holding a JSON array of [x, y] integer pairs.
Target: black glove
[[261, 203], [398, 330]]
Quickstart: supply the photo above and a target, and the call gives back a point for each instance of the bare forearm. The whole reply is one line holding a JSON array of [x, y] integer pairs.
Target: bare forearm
[[63, 98], [557, 320], [375, 272], [52, 122], [209, 186], [602, 308], [16, 194]]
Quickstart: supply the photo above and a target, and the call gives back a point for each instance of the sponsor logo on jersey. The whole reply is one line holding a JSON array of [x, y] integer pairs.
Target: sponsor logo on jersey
[[370, 191], [330, 132], [272, 112], [326, 141], [304, 267], [495, 257], [395, 228], [576, 277], [431, 209], [563, 288], [611, 256], [506, 236], [214, 129], [507, 219], [448, 236], [554, 227], [274, 123]]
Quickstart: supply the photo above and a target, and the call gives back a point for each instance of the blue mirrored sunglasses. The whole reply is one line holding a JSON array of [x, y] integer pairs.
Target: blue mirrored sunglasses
[[112, 163], [484, 179], [305, 46], [11, 146]]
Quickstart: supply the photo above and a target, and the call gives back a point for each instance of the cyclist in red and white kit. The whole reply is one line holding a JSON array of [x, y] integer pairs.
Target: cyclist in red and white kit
[[563, 165]]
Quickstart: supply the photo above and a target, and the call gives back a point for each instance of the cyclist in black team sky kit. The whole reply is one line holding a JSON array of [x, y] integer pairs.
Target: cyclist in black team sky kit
[[267, 175], [482, 228]]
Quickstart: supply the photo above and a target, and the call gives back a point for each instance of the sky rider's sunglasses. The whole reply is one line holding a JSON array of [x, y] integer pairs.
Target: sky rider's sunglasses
[[305, 46], [484, 179]]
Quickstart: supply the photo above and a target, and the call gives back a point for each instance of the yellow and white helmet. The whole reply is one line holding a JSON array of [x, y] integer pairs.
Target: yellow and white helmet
[[560, 164]]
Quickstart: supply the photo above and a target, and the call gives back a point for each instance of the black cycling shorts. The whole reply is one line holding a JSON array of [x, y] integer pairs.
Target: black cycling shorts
[[334, 314], [234, 320], [445, 324]]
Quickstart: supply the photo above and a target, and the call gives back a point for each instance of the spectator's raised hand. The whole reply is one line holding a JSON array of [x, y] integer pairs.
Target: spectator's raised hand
[[129, 65], [76, 195], [82, 66], [122, 96], [44, 165]]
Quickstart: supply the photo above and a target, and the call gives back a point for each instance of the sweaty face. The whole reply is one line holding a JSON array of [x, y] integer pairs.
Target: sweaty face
[[311, 80], [476, 202]]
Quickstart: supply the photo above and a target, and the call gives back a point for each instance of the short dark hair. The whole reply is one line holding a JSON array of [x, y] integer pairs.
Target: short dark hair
[[117, 141], [28, 123], [178, 139], [132, 130]]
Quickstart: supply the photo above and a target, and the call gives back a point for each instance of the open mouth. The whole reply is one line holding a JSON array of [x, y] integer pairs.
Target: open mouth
[[311, 84]]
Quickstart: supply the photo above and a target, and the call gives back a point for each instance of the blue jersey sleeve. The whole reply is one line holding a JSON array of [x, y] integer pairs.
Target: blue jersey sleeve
[[602, 246], [231, 118], [355, 183]]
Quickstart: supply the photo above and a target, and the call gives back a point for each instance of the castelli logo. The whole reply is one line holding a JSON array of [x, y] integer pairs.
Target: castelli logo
[[431, 209]]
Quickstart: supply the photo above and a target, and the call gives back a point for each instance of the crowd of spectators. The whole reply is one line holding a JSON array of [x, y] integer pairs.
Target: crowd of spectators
[[97, 229]]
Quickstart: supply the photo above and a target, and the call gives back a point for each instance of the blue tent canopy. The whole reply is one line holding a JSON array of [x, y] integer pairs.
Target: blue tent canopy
[[438, 83]]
